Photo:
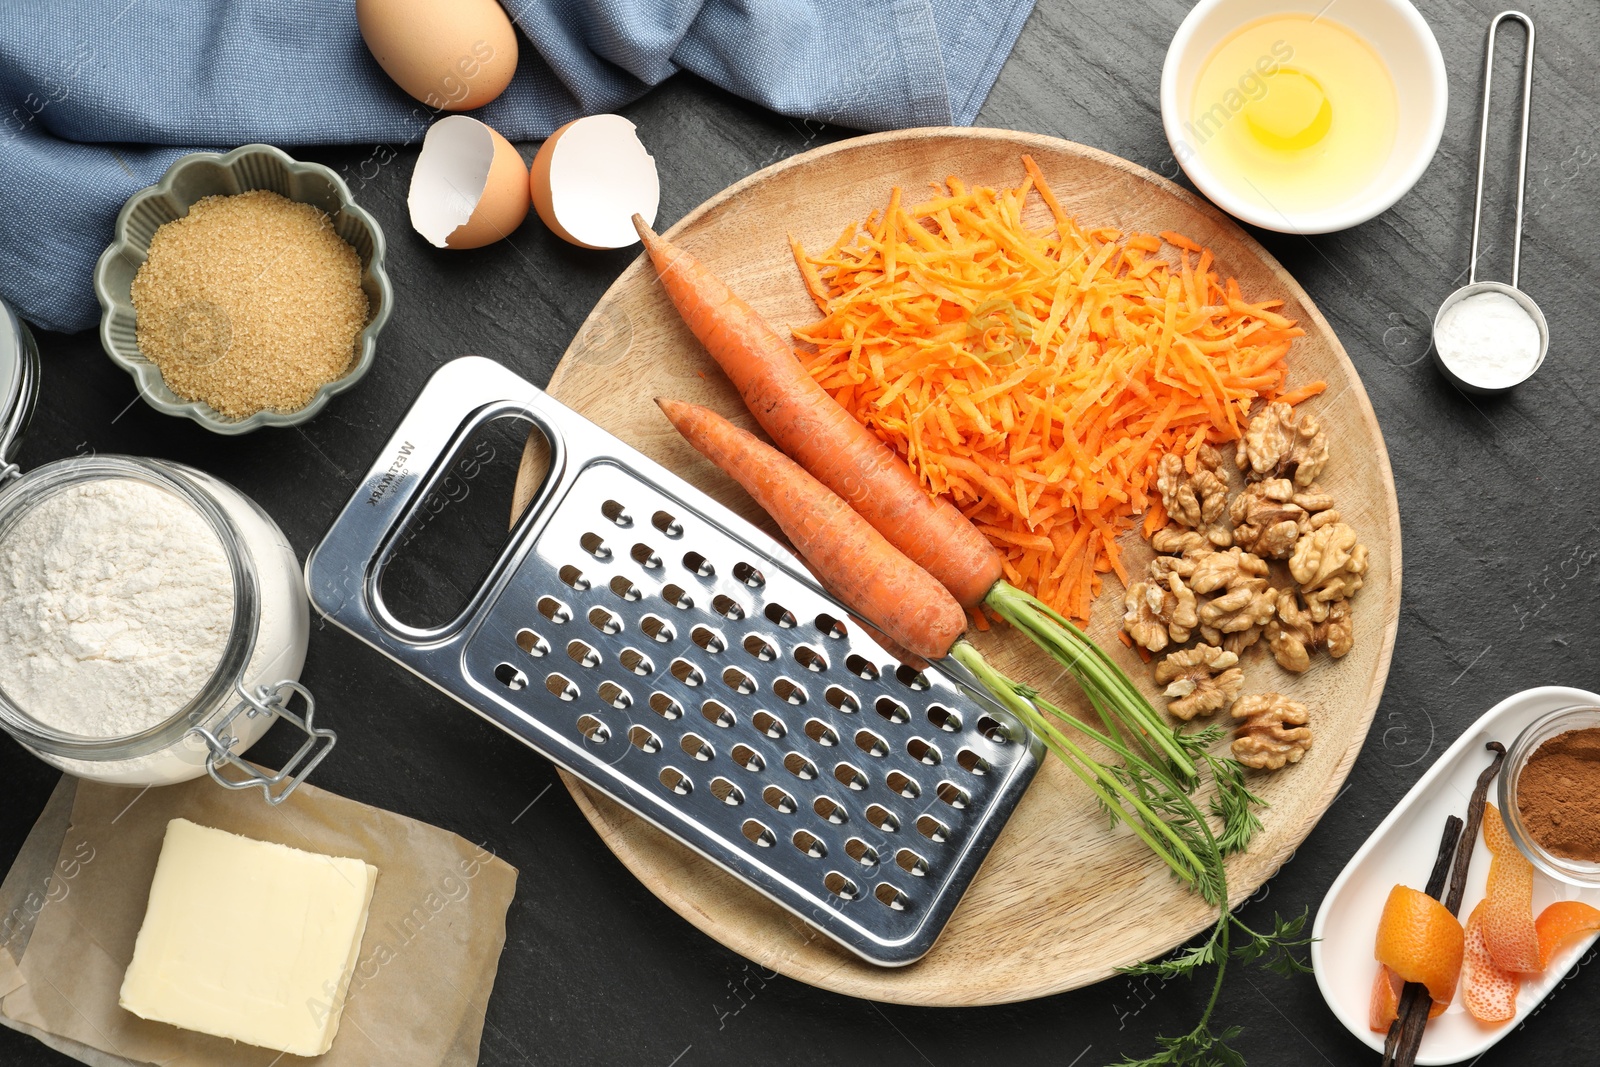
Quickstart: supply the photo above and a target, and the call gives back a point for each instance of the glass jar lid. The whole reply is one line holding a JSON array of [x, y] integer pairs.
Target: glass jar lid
[[19, 386]]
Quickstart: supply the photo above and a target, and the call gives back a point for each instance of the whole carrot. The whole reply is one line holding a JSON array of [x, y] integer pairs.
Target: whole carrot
[[855, 562], [811, 427]]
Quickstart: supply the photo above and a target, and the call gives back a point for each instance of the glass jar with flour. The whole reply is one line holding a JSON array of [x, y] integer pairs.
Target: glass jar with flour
[[153, 623]]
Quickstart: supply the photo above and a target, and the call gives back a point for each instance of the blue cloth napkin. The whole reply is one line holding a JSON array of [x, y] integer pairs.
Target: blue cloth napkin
[[87, 87]]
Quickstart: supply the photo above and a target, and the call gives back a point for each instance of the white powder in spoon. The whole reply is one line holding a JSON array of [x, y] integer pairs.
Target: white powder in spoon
[[1488, 340], [115, 605]]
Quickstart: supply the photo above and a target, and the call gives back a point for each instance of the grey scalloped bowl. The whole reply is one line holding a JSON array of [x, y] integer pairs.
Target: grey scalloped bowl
[[202, 174]]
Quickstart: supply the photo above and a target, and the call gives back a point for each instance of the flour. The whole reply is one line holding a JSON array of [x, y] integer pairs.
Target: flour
[[1488, 340], [116, 600]]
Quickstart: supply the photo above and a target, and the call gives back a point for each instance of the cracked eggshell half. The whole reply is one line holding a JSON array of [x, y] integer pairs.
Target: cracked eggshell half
[[453, 55], [590, 178], [470, 188]]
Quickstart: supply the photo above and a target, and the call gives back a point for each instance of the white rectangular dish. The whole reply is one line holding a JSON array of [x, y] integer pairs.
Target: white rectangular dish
[[1402, 850]]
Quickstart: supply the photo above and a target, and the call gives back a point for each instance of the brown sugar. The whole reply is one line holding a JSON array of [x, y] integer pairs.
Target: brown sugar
[[1558, 794], [249, 303]]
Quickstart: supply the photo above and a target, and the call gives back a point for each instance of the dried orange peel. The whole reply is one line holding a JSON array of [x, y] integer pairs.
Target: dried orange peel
[[1385, 1005], [1560, 923], [1487, 992], [1508, 929], [1420, 941]]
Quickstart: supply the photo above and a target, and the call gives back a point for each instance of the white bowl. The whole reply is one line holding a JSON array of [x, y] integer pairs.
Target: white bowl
[[1393, 28]]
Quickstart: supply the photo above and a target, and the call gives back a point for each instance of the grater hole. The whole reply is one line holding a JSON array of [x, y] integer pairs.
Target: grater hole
[[778, 800], [903, 784], [573, 577], [676, 781], [923, 752], [800, 767], [893, 710], [583, 655], [932, 829], [643, 740], [945, 719], [912, 863], [666, 524], [788, 691], [607, 622], [696, 746], [912, 678], [616, 513], [708, 639], [810, 844], [781, 616], [747, 574], [554, 610], [595, 545], [973, 763], [883, 818], [769, 724], [687, 673], [850, 777], [831, 627], [559, 685], [593, 730], [615, 695], [861, 667], [717, 714], [624, 589], [757, 834], [758, 647], [510, 677], [954, 795], [727, 792], [698, 565], [861, 852], [637, 662], [748, 758], [665, 706], [871, 743], [830, 809], [841, 699], [821, 733], [645, 556], [678, 597], [727, 607], [891, 897], [738, 681], [810, 658], [994, 730], [532, 643], [657, 629], [841, 887]]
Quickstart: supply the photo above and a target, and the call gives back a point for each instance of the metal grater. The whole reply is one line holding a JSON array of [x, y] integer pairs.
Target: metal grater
[[667, 652]]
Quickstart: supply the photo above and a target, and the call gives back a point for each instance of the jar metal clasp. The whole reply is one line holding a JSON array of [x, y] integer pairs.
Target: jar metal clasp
[[267, 700]]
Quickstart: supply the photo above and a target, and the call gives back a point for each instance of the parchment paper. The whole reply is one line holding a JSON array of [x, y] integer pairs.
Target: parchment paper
[[73, 902]]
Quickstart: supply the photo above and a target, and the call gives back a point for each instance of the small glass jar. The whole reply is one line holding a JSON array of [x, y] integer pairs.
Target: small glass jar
[[1563, 868], [261, 660]]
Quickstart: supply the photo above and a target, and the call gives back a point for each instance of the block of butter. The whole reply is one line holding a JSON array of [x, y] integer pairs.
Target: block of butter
[[249, 940]]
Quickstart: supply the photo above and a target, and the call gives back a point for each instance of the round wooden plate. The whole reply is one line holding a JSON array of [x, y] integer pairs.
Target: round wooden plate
[[1050, 910]]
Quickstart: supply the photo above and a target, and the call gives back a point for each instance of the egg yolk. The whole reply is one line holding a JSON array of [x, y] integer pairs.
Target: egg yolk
[[1292, 114]]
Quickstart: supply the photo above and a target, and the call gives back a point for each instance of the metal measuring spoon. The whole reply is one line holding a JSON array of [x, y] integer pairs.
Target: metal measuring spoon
[[1473, 286]]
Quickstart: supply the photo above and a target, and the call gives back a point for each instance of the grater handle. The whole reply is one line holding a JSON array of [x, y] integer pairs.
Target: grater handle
[[343, 572]]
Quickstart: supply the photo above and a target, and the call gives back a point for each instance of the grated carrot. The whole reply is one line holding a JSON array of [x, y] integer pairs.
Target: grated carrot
[[1035, 371]]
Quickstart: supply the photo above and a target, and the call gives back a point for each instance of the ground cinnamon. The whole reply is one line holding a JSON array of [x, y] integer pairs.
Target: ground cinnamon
[[1558, 794]]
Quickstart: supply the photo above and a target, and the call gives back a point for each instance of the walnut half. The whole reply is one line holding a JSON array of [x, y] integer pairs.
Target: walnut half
[[1200, 680], [1294, 635], [1272, 731], [1154, 614], [1282, 443], [1199, 500]]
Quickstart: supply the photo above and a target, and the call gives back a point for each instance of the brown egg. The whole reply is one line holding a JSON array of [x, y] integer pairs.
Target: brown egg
[[470, 188], [590, 178], [453, 55]]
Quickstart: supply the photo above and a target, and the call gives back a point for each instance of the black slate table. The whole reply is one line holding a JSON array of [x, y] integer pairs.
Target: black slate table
[[1499, 500]]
